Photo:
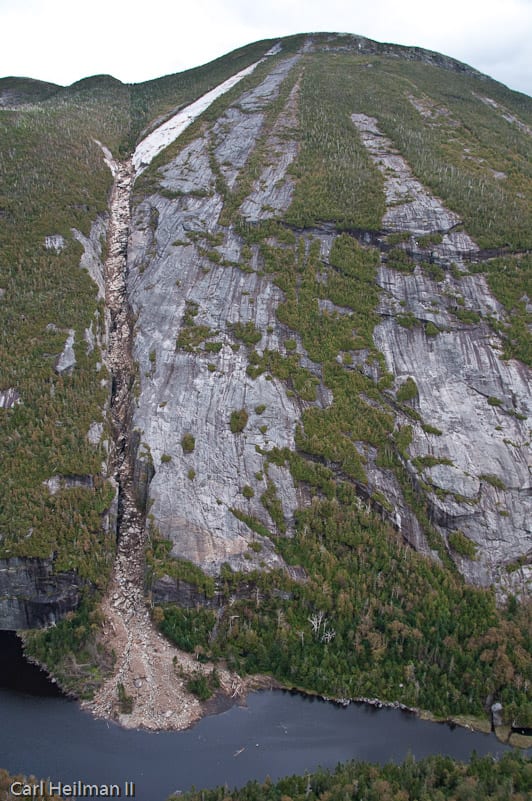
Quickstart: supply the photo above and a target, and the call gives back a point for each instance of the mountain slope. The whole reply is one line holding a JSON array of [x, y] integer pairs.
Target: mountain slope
[[326, 297]]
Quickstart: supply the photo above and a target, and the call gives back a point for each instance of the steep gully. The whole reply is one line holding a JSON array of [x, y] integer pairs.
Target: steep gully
[[148, 671]]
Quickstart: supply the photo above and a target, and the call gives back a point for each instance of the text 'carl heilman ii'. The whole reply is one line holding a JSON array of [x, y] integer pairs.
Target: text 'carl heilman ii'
[[77, 789]]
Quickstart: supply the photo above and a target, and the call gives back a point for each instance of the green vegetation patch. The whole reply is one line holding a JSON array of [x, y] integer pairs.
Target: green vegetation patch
[[398, 237], [286, 368], [467, 316], [238, 420], [429, 429], [371, 619], [335, 178], [203, 685], [408, 320], [423, 462], [428, 240], [510, 280], [246, 332], [125, 701], [187, 628], [188, 442], [431, 330], [407, 391], [72, 652], [462, 544], [272, 504], [251, 522], [435, 272], [398, 259], [53, 178], [493, 480], [439, 778], [191, 335]]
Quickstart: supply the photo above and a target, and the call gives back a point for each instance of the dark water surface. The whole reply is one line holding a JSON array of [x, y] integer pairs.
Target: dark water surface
[[276, 734]]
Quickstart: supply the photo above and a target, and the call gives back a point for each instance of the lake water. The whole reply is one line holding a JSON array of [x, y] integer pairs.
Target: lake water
[[276, 734]]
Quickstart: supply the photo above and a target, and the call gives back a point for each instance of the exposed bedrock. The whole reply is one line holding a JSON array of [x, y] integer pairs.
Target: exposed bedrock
[[158, 288], [482, 406], [194, 393], [187, 292], [410, 206], [192, 389], [178, 591], [476, 471], [32, 595], [91, 259], [272, 191]]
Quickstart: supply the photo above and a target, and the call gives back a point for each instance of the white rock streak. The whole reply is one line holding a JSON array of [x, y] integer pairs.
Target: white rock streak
[[166, 133]]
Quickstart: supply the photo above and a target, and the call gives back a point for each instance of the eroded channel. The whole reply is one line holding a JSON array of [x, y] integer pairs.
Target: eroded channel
[[148, 685]]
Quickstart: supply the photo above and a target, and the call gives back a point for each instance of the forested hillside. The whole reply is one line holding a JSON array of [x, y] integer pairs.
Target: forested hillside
[[433, 779]]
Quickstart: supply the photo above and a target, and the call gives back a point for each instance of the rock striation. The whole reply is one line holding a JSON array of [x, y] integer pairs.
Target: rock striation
[[192, 390], [32, 595], [9, 398], [166, 133], [410, 207], [191, 282], [480, 404], [272, 192]]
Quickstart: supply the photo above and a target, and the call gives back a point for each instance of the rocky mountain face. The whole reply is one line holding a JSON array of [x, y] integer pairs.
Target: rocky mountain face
[[307, 299], [32, 596], [191, 298], [175, 291], [483, 449]]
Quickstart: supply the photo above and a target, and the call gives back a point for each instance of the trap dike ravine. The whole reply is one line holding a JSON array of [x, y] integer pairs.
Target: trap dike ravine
[[276, 734], [120, 361]]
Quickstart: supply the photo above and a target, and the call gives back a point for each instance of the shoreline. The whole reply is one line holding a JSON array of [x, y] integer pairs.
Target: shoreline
[[224, 700]]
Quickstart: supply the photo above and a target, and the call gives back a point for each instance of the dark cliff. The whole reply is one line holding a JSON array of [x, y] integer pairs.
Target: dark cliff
[[33, 596]]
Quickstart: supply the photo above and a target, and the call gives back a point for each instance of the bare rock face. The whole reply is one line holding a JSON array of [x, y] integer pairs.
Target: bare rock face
[[410, 206], [477, 468], [66, 361], [456, 373], [402, 518], [33, 596], [57, 483], [94, 434], [190, 387], [272, 192], [191, 282], [54, 242], [91, 259], [9, 398], [163, 134]]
